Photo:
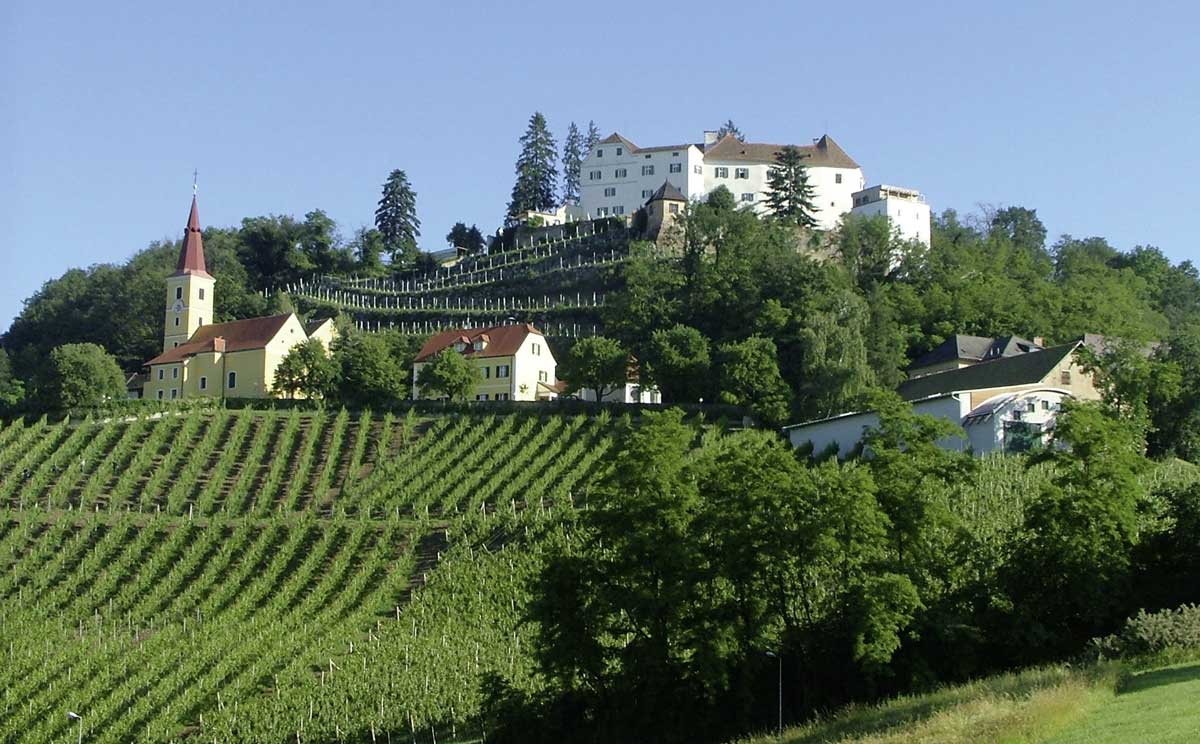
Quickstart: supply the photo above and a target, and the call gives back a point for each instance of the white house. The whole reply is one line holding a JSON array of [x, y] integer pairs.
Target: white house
[[906, 208], [1004, 404], [618, 177]]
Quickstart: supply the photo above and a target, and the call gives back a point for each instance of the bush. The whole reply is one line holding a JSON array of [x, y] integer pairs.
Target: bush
[[1153, 632]]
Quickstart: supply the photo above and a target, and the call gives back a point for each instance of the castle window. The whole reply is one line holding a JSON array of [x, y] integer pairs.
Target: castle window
[[748, 197], [204, 383], [741, 173], [600, 153], [620, 151], [676, 168], [618, 210], [837, 177], [594, 175], [610, 191], [721, 172], [647, 193], [202, 288], [647, 170], [179, 293], [673, 208], [620, 172], [232, 382], [698, 170], [674, 154]]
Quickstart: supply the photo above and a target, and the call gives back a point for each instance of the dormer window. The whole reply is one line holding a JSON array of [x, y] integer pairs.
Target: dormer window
[[459, 346], [479, 345]]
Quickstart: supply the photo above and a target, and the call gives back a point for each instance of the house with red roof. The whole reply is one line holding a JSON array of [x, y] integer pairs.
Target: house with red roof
[[514, 361], [203, 359]]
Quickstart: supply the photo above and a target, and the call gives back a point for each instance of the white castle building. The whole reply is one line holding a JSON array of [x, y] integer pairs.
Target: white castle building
[[617, 177]]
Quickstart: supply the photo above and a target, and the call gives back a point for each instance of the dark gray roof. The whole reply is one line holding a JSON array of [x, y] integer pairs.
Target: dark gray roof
[[974, 348], [1007, 371], [667, 192]]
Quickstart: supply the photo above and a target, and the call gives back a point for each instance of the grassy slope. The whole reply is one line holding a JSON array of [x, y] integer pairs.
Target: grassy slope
[[1051, 705]]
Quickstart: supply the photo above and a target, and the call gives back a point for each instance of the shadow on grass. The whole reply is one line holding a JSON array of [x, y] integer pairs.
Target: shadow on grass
[[864, 721], [1159, 678]]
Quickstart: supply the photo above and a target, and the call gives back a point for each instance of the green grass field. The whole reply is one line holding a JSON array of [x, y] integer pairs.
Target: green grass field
[[1051, 705]]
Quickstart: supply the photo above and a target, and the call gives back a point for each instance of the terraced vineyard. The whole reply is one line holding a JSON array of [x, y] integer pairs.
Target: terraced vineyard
[[263, 576]]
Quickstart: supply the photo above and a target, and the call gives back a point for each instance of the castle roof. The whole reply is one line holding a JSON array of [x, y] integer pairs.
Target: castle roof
[[501, 340], [236, 335], [824, 153], [667, 192], [191, 254]]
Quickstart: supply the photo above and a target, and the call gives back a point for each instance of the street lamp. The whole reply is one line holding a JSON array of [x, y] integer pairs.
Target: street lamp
[[72, 715], [779, 658]]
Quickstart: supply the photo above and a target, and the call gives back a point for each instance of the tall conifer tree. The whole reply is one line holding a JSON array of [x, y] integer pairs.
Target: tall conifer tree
[[790, 198], [730, 128], [536, 175], [396, 219], [572, 159], [593, 138]]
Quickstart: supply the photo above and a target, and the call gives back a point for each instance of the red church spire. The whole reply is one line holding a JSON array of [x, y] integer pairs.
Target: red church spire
[[191, 255]]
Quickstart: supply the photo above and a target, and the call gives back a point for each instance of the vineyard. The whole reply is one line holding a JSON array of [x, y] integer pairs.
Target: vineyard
[[558, 280], [261, 576]]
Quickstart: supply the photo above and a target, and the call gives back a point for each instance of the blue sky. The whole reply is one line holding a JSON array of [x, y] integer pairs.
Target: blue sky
[[1088, 112]]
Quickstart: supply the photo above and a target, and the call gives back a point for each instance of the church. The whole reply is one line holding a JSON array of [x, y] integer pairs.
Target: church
[[202, 359]]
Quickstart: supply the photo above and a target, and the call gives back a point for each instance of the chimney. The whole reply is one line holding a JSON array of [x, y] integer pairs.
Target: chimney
[[1039, 341], [710, 138], [219, 344]]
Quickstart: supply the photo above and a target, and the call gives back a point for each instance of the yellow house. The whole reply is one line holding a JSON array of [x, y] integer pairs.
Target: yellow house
[[202, 359], [514, 360]]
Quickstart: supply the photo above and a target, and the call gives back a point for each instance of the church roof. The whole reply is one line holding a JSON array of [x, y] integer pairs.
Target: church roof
[[502, 340], [236, 335], [667, 192], [191, 254], [824, 153]]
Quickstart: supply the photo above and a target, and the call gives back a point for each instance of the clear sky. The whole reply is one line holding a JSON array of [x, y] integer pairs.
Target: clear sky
[[1087, 111]]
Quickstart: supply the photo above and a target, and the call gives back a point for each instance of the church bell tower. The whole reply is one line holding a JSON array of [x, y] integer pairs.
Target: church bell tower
[[190, 288]]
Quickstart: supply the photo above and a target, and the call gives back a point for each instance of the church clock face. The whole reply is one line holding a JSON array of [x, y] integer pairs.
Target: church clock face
[[177, 307]]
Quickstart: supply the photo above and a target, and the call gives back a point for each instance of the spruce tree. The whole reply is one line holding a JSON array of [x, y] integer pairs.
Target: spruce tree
[[396, 219], [790, 198], [536, 174], [730, 128], [572, 160], [593, 138]]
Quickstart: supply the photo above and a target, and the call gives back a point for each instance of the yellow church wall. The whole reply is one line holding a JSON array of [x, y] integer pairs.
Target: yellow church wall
[[189, 305]]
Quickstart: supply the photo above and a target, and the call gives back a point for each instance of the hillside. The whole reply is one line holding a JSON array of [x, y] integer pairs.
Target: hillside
[[174, 576], [555, 277], [1109, 703]]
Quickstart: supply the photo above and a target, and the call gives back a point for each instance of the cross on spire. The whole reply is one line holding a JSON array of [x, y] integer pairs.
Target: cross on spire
[[195, 174]]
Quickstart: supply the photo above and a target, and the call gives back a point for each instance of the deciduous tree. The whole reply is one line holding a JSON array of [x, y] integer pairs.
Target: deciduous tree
[[450, 375], [307, 370], [82, 375], [596, 363]]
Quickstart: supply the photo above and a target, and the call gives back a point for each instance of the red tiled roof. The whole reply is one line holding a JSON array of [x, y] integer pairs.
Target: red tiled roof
[[191, 255], [502, 340], [237, 335]]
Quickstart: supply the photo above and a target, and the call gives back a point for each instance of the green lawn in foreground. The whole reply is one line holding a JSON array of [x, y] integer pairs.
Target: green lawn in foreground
[[1161, 706]]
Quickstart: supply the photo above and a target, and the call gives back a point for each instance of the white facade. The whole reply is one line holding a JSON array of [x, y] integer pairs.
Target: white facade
[[631, 392], [1008, 422], [905, 208], [617, 177]]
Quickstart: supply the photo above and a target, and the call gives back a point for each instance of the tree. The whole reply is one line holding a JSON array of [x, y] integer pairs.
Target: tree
[[321, 244], [790, 196], [572, 159], [869, 248], [451, 374], [536, 174], [596, 363], [470, 238], [1071, 569], [1022, 227], [271, 249], [82, 375], [367, 249], [592, 139], [396, 219], [679, 361], [730, 128], [749, 376], [721, 199], [368, 375], [307, 370], [12, 390]]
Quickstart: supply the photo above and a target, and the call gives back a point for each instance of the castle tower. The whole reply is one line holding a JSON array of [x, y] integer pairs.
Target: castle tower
[[189, 289]]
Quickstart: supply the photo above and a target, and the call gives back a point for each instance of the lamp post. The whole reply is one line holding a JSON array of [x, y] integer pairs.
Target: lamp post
[[72, 715], [779, 659]]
